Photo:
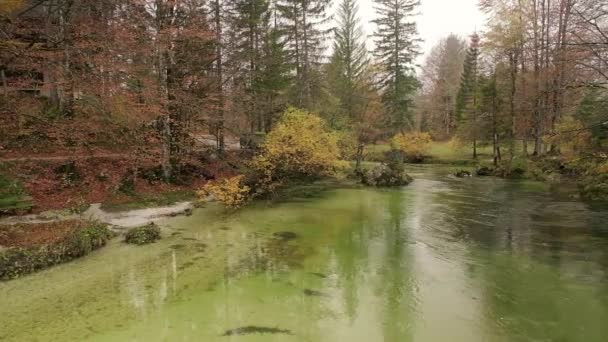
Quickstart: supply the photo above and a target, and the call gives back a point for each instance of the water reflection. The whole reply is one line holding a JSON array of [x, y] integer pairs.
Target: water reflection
[[453, 259]]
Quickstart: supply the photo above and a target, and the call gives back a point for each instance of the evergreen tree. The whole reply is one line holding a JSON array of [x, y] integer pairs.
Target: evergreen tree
[[272, 79], [348, 61], [396, 49], [467, 100], [304, 25], [248, 25]]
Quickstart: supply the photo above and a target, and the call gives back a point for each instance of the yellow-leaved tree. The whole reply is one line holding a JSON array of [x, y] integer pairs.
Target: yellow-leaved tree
[[413, 144], [299, 146]]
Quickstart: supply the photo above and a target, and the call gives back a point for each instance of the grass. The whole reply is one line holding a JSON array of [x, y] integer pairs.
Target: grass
[[141, 201], [445, 152], [12, 195], [439, 153]]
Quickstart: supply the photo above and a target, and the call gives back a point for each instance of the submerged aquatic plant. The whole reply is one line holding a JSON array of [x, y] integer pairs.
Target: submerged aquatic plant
[[252, 329]]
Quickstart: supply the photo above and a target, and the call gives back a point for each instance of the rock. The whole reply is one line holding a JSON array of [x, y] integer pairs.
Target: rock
[[484, 171], [385, 176], [462, 174], [143, 235]]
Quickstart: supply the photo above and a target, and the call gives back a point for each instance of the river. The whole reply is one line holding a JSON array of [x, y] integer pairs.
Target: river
[[444, 259]]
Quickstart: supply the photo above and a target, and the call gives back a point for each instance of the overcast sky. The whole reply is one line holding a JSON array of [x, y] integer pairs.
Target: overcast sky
[[436, 20]]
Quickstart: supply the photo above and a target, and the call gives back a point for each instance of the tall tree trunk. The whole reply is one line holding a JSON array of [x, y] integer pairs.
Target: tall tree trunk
[[220, 77], [4, 84], [67, 98], [513, 72]]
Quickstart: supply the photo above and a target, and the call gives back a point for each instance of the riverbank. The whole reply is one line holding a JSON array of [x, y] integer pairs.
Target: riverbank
[[37, 241], [344, 264], [589, 174]]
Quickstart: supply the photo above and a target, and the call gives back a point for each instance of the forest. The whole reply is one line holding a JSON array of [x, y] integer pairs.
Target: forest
[[308, 169], [169, 87]]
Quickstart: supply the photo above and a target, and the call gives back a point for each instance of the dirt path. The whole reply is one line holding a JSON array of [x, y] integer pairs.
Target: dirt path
[[66, 157], [118, 220]]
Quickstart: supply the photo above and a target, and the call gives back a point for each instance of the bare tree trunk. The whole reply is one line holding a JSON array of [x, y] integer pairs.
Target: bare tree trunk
[[220, 77], [67, 98], [4, 85], [537, 63], [513, 72]]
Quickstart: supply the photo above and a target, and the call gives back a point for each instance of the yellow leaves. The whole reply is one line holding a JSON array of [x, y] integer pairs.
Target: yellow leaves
[[413, 143], [299, 145], [230, 191], [8, 6]]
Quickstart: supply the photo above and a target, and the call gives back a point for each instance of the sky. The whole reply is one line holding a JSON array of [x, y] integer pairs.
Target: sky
[[436, 20]]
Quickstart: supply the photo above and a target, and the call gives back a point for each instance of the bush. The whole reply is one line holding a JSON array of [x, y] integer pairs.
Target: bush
[[143, 235], [300, 145], [232, 192], [414, 145], [18, 261], [594, 185]]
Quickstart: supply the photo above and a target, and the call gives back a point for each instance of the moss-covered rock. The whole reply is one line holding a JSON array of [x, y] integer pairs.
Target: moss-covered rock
[[18, 261], [484, 171], [143, 235], [462, 174], [385, 176]]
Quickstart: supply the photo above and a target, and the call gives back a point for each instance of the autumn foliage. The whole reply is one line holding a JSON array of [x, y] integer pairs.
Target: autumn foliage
[[229, 191], [414, 144], [299, 146]]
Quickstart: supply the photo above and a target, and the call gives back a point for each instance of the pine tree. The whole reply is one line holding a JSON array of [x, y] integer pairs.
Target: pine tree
[[273, 77], [303, 23], [396, 49], [467, 100], [248, 24], [348, 61]]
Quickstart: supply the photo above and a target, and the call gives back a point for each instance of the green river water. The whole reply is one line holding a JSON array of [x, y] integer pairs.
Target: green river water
[[445, 259]]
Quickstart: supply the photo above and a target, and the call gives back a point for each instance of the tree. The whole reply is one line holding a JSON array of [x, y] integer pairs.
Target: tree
[[396, 49], [467, 100], [441, 76], [348, 62], [303, 23]]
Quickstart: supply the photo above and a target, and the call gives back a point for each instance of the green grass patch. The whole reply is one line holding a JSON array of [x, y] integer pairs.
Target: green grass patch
[[12, 195]]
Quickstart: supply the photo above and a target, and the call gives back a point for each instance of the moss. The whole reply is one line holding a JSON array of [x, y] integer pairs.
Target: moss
[[385, 176], [143, 235], [18, 261]]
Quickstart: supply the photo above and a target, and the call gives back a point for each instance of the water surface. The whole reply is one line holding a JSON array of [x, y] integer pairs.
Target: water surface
[[475, 259]]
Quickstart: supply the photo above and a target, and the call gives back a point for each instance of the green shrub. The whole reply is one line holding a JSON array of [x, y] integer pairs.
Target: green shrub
[[594, 185], [18, 261], [143, 235]]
